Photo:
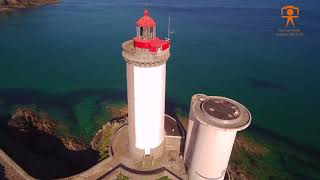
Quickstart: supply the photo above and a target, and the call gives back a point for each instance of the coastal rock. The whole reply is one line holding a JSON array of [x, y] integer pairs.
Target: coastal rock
[[96, 140], [8, 5], [119, 112], [236, 173], [253, 148], [43, 154], [73, 144], [12, 1], [26, 120], [114, 123], [101, 141]]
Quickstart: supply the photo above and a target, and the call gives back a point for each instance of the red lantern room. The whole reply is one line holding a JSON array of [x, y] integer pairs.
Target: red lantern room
[[146, 38]]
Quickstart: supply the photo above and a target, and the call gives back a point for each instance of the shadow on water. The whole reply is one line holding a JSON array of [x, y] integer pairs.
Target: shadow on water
[[259, 83], [41, 155], [44, 156]]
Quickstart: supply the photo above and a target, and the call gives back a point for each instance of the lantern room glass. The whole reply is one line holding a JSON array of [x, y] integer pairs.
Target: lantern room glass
[[146, 33]]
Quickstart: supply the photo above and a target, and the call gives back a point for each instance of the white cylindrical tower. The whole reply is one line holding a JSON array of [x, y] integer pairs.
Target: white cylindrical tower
[[213, 124], [146, 57]]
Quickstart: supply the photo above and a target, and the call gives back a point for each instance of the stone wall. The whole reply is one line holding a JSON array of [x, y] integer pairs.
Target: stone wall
[[139, 175], [173, 143]]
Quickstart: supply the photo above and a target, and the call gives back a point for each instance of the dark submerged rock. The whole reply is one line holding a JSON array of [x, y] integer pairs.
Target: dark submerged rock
[[25, 120], [259, 83]]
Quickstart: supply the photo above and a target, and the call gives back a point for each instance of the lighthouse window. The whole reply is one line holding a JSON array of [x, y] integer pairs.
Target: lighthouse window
[[151, 33], [141, 31]]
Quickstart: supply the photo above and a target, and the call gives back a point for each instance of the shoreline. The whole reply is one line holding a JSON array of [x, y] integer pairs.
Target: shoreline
[[25, 5], [255, 146], [269, 151]]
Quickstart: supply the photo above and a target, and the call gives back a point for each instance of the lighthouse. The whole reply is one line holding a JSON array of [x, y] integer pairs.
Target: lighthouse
[[146, 56]]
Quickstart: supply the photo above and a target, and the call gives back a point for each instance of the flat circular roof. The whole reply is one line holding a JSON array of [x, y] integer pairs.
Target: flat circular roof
[[221, 109], [220, 112]]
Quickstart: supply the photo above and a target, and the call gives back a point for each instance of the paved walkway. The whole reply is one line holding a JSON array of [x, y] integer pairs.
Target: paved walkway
[[170, 160], [168, 165]]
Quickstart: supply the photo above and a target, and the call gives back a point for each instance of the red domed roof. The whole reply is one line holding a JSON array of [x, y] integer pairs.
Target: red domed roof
[[146, 20]]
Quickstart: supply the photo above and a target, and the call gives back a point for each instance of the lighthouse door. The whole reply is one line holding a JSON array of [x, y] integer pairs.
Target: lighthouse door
[[147, 151]]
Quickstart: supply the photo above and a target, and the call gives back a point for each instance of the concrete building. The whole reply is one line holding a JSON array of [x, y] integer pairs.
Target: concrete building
[[146, 56], [213, 124]]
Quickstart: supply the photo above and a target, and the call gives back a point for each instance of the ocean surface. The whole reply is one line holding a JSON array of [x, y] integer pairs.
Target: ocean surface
[[65, 59]]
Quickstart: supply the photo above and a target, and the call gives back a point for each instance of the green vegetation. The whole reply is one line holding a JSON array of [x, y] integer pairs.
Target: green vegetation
[[104, 143], [263, 158], [120, 176], [257, 166], [181, 114], [163, 178], [108, 110], [182, 117]]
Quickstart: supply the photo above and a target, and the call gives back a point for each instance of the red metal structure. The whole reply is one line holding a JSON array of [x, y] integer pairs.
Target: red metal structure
[[146, 35]]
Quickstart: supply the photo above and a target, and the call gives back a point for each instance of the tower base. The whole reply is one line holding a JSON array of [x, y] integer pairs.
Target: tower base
[[156, 153]]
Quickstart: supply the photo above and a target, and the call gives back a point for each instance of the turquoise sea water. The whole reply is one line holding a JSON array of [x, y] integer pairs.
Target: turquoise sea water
[[66, 60]]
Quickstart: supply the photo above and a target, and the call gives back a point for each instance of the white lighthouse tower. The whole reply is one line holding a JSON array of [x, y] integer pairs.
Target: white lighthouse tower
[[146, 56]]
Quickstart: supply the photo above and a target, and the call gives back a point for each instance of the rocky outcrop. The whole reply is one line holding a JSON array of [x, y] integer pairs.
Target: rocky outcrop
[[26, 120], [32, 142], [111, 125], [118, 112], [73, 144], [95, 142], [253, 148], [7, 5], [235, 173]]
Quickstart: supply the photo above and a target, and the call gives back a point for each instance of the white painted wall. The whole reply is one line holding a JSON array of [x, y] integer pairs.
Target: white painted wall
[[211, 154], [146, 101]]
